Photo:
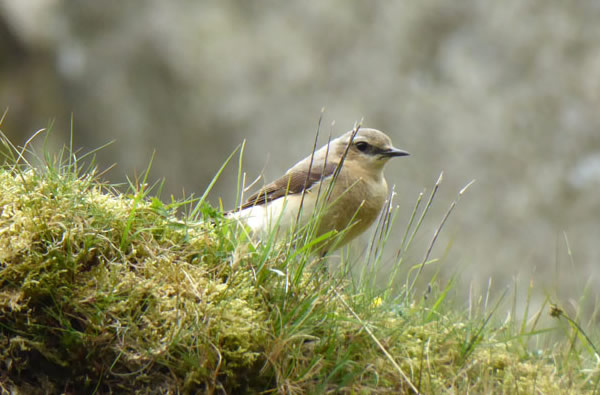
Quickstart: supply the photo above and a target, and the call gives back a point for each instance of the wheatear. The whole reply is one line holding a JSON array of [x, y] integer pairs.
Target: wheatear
[[342, 181]]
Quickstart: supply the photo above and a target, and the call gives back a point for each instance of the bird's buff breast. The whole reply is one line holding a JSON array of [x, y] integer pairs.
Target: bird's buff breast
[[355, 210]]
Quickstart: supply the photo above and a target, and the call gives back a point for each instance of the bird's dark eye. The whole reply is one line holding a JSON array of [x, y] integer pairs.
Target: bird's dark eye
[[362, 146]]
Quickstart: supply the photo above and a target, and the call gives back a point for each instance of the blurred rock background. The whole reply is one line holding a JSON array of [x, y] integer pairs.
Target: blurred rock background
[[507, 93]]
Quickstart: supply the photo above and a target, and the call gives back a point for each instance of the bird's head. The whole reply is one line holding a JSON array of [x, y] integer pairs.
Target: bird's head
[[370, 148]]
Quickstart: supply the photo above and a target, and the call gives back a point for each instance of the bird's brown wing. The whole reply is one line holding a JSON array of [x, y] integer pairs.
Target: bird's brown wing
[[294, 181]]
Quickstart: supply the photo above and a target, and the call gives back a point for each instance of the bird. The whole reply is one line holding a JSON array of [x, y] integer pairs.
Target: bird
[[339, 188]]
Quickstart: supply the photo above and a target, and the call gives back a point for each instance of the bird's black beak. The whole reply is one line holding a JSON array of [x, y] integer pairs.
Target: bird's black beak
[[394, 152]]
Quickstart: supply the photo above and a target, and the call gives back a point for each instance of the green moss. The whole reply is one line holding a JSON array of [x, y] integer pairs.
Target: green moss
[[110, 293], [71, 297]]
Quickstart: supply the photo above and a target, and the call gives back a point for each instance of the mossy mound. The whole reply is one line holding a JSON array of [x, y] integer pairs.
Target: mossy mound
[[99, 290], [106, 293]]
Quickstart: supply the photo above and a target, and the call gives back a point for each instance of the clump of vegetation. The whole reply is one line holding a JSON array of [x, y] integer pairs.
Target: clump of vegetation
[[101, 290], [104, 292]]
